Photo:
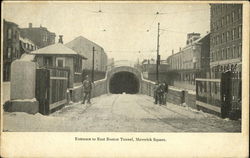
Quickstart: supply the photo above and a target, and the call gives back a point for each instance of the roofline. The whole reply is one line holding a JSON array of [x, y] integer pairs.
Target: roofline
[[195, 42], [41, 54], [88, 41], [10, 22]]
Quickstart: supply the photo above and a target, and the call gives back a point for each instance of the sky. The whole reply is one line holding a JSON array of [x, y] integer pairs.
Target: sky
[[126, 31]]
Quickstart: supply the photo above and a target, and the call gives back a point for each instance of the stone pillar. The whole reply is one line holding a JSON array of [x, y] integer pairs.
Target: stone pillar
[[23, 80], [22, 91]]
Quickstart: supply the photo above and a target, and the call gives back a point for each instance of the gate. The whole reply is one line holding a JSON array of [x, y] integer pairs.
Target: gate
[[220, 96], [51, 88]]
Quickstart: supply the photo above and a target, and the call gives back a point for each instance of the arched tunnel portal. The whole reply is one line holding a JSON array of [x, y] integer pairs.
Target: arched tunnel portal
[[124, 81]]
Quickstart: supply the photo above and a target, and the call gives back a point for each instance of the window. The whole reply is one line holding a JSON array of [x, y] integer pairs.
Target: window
[[233, 18], [240, 12], [212, 56], [47, 61], [60, 62], [240, 50], [9, 33], [9, 53], [223, 54], [234, 52], [227, 36], [218, 55], [45, 38], [228, 52], [233, 33], [240, 31], [227, 19]]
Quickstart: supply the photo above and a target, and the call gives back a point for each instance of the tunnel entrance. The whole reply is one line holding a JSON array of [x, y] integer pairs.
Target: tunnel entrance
[[124, 82]]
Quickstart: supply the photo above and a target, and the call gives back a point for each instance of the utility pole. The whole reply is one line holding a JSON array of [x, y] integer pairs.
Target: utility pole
[[158, 56], [93, 65]]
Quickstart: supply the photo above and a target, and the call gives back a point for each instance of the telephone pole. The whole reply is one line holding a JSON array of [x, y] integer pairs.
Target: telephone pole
[[93, 65], [158, 56]]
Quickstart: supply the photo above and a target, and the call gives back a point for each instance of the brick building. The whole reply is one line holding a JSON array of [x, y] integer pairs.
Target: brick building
[[190, 62], [11, 47], [226, 38], [39, 35]]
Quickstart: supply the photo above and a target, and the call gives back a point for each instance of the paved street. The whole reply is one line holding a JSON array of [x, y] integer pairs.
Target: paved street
[[121, 113]]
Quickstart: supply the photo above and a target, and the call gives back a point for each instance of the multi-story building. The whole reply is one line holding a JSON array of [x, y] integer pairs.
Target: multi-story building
[[26, 45], [148, 69], [226, 38], [39, 35], [84, 47], [190, 62], [11, 47]]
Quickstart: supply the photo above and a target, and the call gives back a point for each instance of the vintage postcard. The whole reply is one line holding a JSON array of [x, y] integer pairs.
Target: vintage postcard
[[125, 79]]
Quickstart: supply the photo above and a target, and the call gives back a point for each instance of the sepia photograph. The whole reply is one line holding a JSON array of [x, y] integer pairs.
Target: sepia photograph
[[122, 67]]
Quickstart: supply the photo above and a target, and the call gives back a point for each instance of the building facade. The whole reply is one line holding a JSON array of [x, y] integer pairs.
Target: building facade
[[58, 55], [148, 69], [11, 47], [39, 35], [226, 38], [85, 47], [26, 45], [190, 62]]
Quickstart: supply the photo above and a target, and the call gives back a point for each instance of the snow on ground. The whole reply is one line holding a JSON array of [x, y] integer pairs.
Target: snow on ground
[[120, 113], [6, 91]]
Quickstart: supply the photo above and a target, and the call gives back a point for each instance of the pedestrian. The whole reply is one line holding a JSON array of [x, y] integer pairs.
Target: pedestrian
[[165, 87], [87, 87], [155, 93], [160, 93]]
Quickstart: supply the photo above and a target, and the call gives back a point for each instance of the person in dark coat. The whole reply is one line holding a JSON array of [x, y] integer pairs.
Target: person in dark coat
[[87, 87], [155, 93], [160, 93], [165, 87]]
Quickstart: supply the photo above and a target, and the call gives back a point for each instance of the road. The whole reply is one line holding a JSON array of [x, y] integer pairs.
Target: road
[[121, 113]]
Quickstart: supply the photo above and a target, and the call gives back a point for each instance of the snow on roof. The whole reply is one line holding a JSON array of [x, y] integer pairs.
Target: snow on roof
[[55, 49], [26, 40]]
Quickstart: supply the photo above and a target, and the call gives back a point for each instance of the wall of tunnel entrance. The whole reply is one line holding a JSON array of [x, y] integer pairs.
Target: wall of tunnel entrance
[[124, 81]]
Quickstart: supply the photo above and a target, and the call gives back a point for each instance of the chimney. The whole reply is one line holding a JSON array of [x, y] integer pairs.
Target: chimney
[[30, 25], [60, 39], [180, 49], [172, 51]]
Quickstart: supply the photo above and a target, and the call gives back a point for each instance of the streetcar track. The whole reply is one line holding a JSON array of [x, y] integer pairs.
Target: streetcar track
[[186, 117], [158, 118]]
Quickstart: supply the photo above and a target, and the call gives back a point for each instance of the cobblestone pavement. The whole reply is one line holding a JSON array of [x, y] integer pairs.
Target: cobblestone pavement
[[121, 113]]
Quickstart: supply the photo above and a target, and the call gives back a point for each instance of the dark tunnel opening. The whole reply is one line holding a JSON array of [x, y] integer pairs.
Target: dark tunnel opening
[[124, 82]]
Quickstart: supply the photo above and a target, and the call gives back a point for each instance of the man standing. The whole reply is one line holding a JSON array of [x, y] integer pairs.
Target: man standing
[[165, 93], [160, 92], [87, 87]]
